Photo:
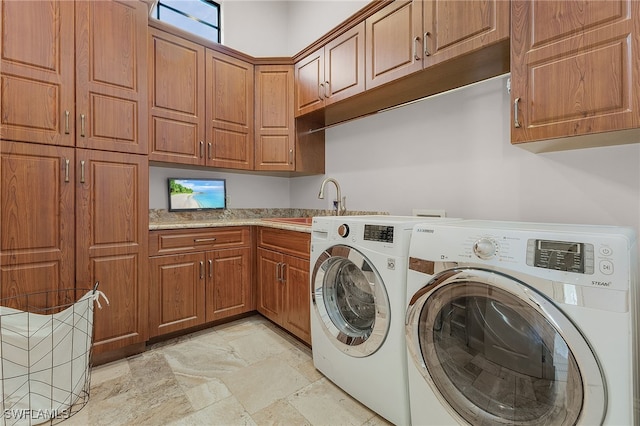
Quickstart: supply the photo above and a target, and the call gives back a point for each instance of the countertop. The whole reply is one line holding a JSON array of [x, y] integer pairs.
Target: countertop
[[163, 219]]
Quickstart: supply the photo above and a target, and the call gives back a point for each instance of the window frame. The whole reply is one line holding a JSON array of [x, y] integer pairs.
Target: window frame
[[160, 4]]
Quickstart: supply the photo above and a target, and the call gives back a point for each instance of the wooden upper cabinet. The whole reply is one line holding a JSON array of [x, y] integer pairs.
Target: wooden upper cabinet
[[575, 70], [229, 112], [177, 99], [310, 82], [111, 76], [453, 28], [37, 73], [37, 245], [332, 73], [394, 42], [275, 124]]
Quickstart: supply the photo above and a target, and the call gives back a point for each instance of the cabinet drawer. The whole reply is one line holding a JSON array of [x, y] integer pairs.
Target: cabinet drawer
[[190, 240], [290, 242]]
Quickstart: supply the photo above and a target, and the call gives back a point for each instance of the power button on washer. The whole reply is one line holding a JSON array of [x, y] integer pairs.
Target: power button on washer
[[606, 251]]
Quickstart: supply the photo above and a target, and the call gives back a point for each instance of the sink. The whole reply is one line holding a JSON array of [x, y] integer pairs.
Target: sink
[[294, 220]]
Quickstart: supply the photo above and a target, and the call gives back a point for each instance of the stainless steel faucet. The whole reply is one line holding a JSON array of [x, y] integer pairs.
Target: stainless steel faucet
[[340, 207]]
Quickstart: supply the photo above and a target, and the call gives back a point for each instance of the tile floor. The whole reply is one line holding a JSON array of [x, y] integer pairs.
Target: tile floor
[[248, 372]]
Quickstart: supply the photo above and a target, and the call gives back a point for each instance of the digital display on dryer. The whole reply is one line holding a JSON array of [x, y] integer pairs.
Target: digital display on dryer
[[382, 233], [562, 256]]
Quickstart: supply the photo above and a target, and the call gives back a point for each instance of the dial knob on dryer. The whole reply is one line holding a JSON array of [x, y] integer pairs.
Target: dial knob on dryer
[[343, 230], [485, 248]]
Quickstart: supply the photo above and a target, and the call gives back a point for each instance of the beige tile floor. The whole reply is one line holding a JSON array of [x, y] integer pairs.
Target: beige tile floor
[[248, 372]]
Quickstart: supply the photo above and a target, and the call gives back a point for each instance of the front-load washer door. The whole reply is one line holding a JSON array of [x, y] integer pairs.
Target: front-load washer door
[[350, 300], [496, 351]]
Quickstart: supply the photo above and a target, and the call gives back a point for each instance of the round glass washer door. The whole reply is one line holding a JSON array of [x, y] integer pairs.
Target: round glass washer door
[[496, 351], [350, 299]]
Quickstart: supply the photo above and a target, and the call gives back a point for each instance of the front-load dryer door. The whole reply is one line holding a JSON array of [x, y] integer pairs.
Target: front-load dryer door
[[350, 300], [496, 351]]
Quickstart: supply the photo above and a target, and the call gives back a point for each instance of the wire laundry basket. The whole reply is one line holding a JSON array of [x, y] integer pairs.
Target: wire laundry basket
[[45, 354]]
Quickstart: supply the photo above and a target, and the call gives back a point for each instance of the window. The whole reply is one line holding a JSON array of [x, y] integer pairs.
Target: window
[[200, 17]]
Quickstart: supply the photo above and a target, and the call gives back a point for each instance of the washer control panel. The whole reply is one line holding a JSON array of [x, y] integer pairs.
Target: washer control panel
[[381, 233], [485, 248], [561, 256]]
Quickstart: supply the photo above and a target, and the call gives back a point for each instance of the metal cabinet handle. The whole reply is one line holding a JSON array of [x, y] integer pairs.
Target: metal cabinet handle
[[66, 170], [416, 40], [278, 270], [201, 149], [282, 272], [82, 125], [82, 171], [66, 122], [516, 122], [327, 89], [424, 43], [210, 268], [201, 269], [291, 156], [203, 240], [209, 150], [321, 91]]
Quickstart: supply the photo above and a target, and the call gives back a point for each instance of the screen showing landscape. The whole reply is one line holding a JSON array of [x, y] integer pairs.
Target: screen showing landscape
[[196, 194]]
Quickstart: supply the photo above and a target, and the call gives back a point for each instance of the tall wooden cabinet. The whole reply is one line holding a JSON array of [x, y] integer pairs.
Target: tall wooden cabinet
[[575, 69], [74, 216]]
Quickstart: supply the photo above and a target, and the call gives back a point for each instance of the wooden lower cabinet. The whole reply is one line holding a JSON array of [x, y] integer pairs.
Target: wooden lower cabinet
[[198, 283], [283, 280]]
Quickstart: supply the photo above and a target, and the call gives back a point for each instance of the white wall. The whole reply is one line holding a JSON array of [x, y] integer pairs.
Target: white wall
[[452, 152]]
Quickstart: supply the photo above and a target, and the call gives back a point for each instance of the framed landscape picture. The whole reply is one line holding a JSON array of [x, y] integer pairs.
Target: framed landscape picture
[[197, 194]]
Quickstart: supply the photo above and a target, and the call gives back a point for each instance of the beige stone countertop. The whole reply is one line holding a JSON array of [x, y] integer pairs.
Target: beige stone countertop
[[160, 219], [229, 222]]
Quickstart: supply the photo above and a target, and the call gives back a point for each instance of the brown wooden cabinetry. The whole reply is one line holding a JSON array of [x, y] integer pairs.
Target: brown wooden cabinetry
[[37, 230], [283, 279], [108, 86], [332, 73], [407, 36], [73, 217], [275, 125], [229, 90], [198, 276], [112, 221], [575, 71], [177, 98]]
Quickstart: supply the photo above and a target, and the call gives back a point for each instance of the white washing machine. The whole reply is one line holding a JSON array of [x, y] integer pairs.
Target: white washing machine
[[519, 323], [358, 277]]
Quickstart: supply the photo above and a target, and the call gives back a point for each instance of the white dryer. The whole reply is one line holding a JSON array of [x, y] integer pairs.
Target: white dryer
[[358, 280], [519, 323]]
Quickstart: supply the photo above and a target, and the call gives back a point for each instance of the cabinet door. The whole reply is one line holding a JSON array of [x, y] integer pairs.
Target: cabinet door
[[576, 75], [229, 283], [394, 42], [176, 81], [177, 293], [298, 298], [112, 225], [275, 126], [270, 285], [453, 28], [344, 65], [229, 112], [37, 73], [310, 92], [111, 76], [36, 219]]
